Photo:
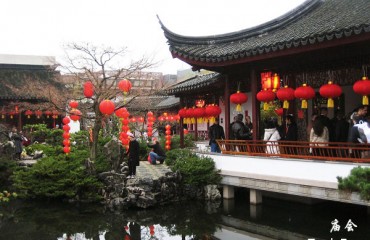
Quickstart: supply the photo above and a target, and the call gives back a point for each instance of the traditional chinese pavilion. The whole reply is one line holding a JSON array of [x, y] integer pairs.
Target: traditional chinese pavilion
[[317, 42], [25, 82]]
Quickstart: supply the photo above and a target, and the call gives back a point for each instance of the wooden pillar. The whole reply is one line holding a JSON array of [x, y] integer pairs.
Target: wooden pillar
[[182, 144], [228, 192], [255, 104], [255, 196], [227, 107]]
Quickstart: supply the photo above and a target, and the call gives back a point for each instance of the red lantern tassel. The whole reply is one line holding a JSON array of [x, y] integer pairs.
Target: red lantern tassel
[[238, 108], [330, 103], [265, 106], [286, 104], [365, 100], [304, 103]]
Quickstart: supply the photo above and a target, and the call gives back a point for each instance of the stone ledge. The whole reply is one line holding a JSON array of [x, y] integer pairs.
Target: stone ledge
[[296, 189]]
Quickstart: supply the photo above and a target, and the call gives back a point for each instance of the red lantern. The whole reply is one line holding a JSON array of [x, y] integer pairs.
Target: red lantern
[[106, 107], [67, 149], [55, 114], [66, 135], [75, 114], [73, 104], [362, 87], [279, 111], [48, 113], [330, 91], [121, 112], [3, 113], [305, 93], [66, 128], [28, 113], [66, 142], [11, 114], [238, 98], [186, 131], [212, 111], [66, 120], [125, 86], [199, 113], [285, 94], [88, 89], [265, 96], [38, 113]]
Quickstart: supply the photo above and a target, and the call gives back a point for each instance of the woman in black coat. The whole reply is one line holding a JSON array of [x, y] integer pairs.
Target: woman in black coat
[[133, 155]]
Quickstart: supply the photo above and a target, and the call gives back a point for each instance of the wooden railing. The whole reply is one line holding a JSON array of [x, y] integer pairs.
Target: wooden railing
[[296, 149]]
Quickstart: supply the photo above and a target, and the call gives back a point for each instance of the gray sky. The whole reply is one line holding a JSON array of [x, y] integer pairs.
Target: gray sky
[[42, 27]]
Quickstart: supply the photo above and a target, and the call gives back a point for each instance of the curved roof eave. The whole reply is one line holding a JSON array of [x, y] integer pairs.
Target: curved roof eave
[[276, 23]]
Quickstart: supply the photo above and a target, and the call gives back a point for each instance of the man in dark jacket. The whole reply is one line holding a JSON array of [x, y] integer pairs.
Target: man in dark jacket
[[215, 132], [157, 153], [239, 131], [133, 155], [290, 132]]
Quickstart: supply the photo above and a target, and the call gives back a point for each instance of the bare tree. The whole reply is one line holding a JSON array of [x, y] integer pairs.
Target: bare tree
[[101, 66]]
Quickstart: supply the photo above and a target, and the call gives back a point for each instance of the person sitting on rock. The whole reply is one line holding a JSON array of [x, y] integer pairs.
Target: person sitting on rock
[[157, 153]]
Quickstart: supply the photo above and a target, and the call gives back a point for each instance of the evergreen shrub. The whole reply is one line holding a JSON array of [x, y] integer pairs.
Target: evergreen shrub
[[59, 177], [196, 170], [357, 181]]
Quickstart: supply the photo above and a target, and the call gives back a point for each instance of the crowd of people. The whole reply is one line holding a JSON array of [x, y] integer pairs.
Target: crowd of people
[[321, 130]]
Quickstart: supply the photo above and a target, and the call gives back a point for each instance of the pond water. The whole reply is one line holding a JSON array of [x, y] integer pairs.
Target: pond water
[[231, 219]]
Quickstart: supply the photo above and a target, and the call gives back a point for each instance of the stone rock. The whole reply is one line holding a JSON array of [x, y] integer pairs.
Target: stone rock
[[211, 192]]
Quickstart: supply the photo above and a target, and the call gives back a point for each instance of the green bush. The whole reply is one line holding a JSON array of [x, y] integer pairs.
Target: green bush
[[196, 170], [49, 150], [40, 133], [60, 177], [7, 166], [357, 181], [188, 141]]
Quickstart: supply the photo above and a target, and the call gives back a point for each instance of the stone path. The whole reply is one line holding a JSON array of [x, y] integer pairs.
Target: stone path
[[147, 170]]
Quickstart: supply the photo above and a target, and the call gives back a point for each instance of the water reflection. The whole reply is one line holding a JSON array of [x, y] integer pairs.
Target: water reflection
[[229, 219], [191, 220]]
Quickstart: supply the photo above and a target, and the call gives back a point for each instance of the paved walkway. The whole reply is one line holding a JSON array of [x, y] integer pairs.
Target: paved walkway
[[147, 170]]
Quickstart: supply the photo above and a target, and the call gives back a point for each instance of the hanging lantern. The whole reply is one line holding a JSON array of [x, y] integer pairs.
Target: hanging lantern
[[3, 113], [183, 113], [150, 120], [16, 108], [330, 91], [238, 98], [55, 114], [88, 89], [11, 114], [200, 103], [285, 94], [38, 113], [125, 86], [48, 113], [66, 143], [120, 112], [67, 149], [66, 135], [279, 111], [362, 87], [28, 113], [106, 107], [212, 111], [66, 120], [73, 104], [304, 93], [199, 113], [66, 128], [265, 96], [75, 114]]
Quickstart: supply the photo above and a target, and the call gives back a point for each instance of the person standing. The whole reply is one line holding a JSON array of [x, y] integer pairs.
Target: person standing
[[290, 131], [133, 155], [319, 133], [157, 153], [271, 135], [248, 123], [17, 138], [215, 132], [239, 131]]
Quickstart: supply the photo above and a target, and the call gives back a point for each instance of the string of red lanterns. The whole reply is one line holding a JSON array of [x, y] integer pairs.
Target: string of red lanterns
[[150, 120], [66, 136], [88, 89], [168, 137]]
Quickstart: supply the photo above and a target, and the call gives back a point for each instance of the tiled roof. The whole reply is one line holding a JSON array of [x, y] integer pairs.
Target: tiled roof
[[194, 83], [312, 23], [152, 102]]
